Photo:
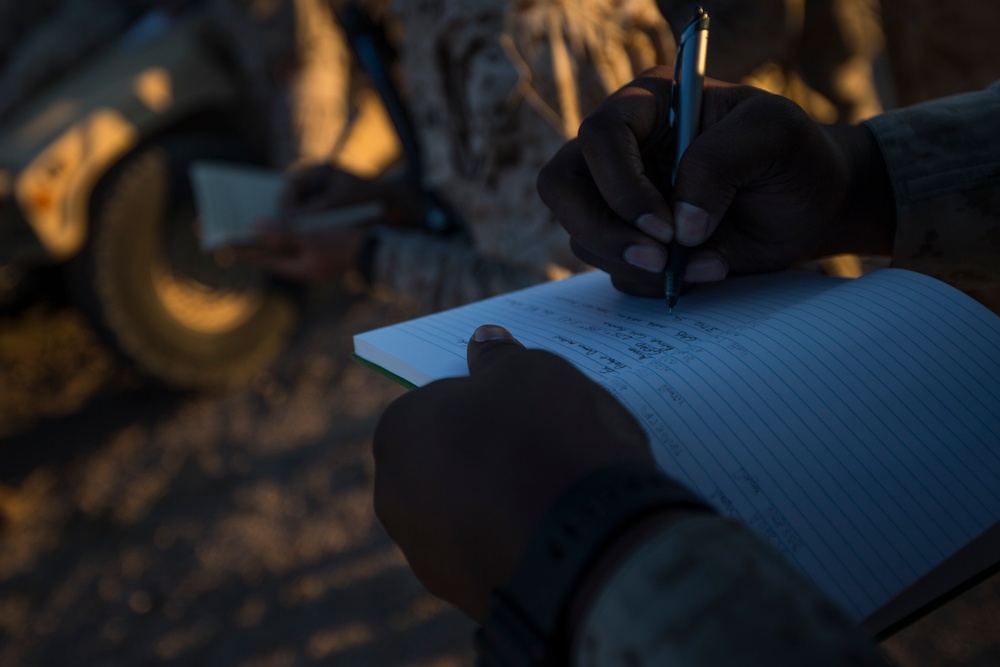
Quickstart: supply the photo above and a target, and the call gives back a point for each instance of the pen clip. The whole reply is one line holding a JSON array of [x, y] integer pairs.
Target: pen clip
[[698, 22]]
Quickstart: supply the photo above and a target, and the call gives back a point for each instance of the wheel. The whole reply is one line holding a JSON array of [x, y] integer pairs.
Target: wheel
[[173, 311]]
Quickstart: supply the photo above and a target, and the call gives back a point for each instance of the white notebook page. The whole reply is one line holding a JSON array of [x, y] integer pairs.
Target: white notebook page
[[853, 424]]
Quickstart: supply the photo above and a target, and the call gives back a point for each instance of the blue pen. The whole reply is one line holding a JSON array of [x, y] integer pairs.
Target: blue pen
[[685, 116]]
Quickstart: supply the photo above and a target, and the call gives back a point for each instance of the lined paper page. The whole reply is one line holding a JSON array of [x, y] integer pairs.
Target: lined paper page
[[855, 425]]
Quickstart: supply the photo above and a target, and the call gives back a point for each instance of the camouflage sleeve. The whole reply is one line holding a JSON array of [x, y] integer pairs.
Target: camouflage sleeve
[[706, 591], [295, 63], [943, 158], [495, 88]]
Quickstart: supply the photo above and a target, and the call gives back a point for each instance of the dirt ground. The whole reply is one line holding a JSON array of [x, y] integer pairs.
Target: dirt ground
[[143, 527]]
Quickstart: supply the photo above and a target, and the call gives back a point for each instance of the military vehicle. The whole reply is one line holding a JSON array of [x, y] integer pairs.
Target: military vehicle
[[94, 183]]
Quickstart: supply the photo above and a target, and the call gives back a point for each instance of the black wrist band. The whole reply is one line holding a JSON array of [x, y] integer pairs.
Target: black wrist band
[[523, 625]]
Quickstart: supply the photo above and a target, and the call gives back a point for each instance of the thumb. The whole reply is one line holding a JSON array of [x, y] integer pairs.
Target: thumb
[[490, 344], [730, 154], [708, 177]]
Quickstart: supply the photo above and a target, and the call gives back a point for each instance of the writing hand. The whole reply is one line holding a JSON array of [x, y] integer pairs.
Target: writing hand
[[761, 187], [466, 468]]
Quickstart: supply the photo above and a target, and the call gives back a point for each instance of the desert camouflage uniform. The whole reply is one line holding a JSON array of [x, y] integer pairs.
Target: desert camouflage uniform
[[936, 48], [706, 591], [495, 88], [819, 53], [943, 159], [297, 65]]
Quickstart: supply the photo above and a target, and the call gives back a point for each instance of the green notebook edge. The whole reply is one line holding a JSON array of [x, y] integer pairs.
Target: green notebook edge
[[378, 369]]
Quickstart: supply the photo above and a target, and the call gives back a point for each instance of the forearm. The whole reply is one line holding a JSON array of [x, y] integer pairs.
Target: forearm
[[943, 161]]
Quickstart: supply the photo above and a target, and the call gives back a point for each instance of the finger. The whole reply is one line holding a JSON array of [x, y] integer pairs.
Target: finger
[[643, 288], [640, 281], [724, 158], [566, 187], [706, 265], [490, 344], [613, 140]]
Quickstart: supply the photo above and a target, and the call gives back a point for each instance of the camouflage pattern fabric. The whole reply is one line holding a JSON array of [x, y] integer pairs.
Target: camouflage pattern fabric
[[496, 88], [935, 48], [717, 593], [943, 158], [296, 62]]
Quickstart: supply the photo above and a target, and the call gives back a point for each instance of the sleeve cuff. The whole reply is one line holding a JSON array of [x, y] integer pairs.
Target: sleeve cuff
[[943, 160]]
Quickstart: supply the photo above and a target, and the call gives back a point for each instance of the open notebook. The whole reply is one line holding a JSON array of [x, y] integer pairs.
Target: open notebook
[[854, 424]]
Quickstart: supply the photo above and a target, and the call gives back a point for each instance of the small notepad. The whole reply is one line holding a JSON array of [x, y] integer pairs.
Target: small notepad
[[233, 198], [854, 424]]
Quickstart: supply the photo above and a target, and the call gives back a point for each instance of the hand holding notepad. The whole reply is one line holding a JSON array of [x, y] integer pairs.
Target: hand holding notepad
[[855, 425], [579, 427], [233, 198]]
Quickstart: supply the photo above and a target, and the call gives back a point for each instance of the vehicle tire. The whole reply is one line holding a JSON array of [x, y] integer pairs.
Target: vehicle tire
[[173, 311]]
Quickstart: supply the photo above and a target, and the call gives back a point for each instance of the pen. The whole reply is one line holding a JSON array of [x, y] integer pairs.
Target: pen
[[685, 116]]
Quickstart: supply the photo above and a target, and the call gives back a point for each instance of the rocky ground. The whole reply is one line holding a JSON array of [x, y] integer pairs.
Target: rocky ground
[[143, 527]]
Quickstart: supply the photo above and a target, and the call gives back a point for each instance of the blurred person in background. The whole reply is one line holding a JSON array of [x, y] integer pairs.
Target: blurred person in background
[[297, 66], [936, 48], [493, 89]]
